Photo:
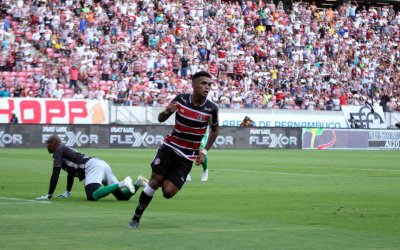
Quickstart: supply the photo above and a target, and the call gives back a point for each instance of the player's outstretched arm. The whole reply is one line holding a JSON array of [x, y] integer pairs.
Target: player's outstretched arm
[[53, 184], [70, 183]]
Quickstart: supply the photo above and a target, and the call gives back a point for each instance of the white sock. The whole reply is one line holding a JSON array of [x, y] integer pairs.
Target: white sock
[[121, 184], [148, 190]]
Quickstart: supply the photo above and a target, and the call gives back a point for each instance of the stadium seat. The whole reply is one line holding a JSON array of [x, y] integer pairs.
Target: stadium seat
[[38, 70], [68, 96], [69, 91], [94, 85], [28, 36], [14, 25], [65, 61], [6, 75], [22, 74], [105, 87], [22, 80], [36, 86]]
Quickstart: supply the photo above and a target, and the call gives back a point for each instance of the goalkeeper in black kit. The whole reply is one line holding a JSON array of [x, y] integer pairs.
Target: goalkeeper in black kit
[[97, 175]]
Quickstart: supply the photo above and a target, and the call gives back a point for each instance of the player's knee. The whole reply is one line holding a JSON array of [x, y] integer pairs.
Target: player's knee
[[168, 192], [169, 189], [91, 198], [123, 198], [90, 190], [168, 195]]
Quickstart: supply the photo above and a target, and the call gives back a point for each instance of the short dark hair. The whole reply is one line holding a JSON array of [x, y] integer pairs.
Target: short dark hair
[[200, 74], [54, 139]]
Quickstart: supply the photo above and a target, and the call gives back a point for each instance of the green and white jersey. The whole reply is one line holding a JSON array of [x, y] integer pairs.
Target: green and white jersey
[[203, 142]]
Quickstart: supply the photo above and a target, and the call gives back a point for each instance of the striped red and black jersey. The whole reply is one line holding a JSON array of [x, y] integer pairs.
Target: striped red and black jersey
[[190, 125], [213, 69], [239, 67]]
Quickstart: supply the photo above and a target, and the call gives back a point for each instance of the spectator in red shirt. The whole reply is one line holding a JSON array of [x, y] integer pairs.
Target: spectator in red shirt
[[279, 97], [239, 68], [73, 76], [343, 99], [213, 68]]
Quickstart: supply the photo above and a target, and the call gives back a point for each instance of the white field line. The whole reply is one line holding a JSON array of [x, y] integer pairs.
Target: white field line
[[360, 169], [13, 201], [288, 173], [300, 174], [234, 230]]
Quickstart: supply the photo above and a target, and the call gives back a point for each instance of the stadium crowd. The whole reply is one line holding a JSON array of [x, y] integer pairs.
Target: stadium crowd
[[143, 52]]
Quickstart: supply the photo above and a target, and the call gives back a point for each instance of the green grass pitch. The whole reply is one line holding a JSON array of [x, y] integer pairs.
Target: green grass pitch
[[254, 199]]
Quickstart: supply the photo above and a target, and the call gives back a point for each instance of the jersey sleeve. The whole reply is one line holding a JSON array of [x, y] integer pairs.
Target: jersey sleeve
[[58, 164], [58, 157], [70, 179], [54, 180], [176, 98], [214, 117]]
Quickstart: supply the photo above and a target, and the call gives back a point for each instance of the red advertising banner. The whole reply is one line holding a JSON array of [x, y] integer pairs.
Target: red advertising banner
[[52, 111]]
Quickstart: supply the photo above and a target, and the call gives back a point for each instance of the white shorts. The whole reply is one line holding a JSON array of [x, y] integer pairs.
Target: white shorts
[[98, 171]]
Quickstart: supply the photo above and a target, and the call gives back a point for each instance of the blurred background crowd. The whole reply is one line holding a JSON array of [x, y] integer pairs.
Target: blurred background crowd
[[261, 53]]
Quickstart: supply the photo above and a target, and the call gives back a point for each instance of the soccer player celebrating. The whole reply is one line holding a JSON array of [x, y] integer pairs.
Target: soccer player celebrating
[[94, 171], [174, 159]]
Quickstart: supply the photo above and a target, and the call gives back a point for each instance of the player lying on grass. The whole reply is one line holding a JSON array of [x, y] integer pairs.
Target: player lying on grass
[[95, 173]]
